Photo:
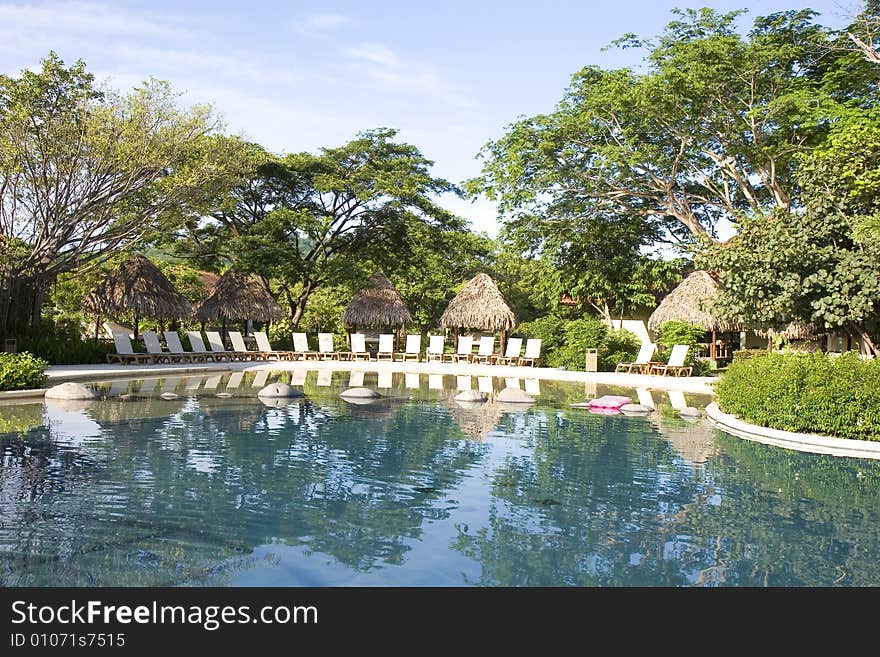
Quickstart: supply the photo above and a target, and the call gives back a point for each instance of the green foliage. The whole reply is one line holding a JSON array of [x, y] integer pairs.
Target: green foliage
[[21, 371], [306, 221], [669, 151], [675, 332], [814, 393], [565, 341], [64, 345], [85, 172]]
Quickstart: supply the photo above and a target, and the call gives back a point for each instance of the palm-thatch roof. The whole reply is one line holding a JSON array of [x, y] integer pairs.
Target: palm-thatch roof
[[238, 296], [377, 306], [140, 288], [691, 302], [480, 305], [794, 331]]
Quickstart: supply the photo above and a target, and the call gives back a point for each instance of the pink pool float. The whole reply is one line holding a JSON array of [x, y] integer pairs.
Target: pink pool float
[[608, 404]]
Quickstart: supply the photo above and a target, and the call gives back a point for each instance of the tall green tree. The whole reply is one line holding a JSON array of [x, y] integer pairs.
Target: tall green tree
[[85, 172], [709, 131], [307, 220], [817, 265]]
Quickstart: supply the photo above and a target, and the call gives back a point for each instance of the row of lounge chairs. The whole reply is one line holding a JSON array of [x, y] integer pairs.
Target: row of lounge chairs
[[644, 365], [175, 352]]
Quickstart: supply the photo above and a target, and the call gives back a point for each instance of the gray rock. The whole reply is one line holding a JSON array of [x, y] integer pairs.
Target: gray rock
[[515, 396], [471, 396], [636, 408], [279, 390], [169, 395], [690, 411], [360, 393], [70, 390]]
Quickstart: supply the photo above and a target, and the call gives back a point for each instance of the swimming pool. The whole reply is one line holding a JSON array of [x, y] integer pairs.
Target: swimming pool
[[413, 490]]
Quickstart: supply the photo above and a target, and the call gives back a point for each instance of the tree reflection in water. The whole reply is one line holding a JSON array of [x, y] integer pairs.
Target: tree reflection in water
[[189, 491]]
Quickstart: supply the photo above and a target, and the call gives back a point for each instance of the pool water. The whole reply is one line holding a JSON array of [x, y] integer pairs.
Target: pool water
[[414, 490]]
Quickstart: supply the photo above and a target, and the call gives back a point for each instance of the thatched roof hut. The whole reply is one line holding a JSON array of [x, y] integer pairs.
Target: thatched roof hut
[[691, 302], [139, 288], [794, 331], [377, 306], [480, 305], [238, 296]]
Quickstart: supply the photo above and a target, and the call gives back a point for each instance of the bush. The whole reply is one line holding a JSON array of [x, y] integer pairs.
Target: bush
[[565, 341], [813, 393], [675, 332], [64, 346], [21, 371]]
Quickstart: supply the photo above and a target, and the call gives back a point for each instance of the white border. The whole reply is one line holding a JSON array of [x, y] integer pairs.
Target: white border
[[801, 442]]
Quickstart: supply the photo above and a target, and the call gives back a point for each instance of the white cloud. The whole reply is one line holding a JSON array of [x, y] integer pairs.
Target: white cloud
[[385, 67], [85, 18], [319, 23], [375, 53]]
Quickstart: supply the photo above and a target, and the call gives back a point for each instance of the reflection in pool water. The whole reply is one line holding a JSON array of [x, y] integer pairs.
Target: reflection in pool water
[[414, 489]]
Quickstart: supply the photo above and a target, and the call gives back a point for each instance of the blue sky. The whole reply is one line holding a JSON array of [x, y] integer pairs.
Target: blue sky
[[295, 76]]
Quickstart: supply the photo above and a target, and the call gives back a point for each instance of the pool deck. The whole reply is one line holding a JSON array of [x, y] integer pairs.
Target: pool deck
[[693, 384]]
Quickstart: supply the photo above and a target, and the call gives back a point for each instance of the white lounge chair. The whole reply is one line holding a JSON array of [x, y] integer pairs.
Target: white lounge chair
[[218, 350], [386, 347], [485, 350], [241, 349], [413, 348], [533, 352], [675, 365], [435, 348], [301, 348], [176, 347], [125, 353], [642, 364], [465, 349], [325, 347], [266, 349], [359, 347], [197, 344], [512, 352], [154, 347]]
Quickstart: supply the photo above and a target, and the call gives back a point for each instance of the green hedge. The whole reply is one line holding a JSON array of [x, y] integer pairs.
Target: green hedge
[[811, 393], [64, 346], [564, 342], [21, 371]]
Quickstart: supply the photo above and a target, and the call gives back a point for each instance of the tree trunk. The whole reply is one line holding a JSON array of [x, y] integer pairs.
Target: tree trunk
[[298, 307], [21, 302], [866, 338]]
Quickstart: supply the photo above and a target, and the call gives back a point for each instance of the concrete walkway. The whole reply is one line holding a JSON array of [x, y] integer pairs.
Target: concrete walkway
[[693, 384]]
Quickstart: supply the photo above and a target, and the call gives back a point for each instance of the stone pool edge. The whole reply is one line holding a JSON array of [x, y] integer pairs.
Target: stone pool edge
[[801, 442]]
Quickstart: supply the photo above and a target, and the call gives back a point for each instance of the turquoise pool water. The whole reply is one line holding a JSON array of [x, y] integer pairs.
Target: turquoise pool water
[[414, 490]]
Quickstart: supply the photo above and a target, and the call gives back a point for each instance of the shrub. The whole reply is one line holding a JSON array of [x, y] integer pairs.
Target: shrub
[[63, 346], [813, 393], [565, 341], [21, 371], [675, 332]]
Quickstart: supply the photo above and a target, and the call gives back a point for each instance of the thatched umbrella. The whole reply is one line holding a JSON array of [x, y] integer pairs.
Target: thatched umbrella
[[137, 287], [794, 331], [691, 302], [377, 306], [481, 306], [238, 296]]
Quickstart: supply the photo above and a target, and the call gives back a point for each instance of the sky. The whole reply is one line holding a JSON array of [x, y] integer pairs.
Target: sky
[[296, 76]]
